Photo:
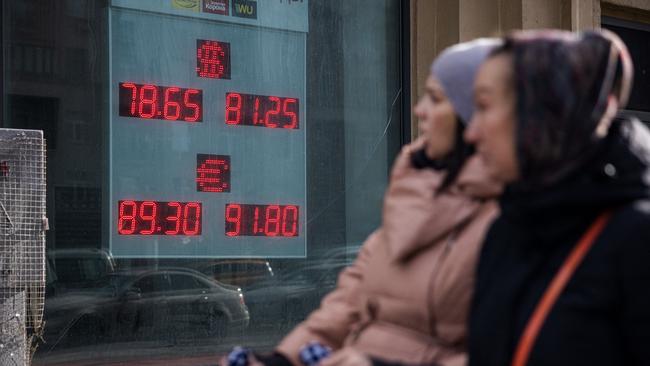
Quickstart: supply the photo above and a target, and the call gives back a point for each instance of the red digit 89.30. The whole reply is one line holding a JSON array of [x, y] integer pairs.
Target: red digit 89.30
[[159, 218]]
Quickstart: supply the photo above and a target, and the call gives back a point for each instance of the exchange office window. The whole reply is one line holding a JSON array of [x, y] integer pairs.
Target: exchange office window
[[234, 153]]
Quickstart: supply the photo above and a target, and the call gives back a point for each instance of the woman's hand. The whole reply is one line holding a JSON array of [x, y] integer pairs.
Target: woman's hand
[[252, 361], [346, 357], [403, 161]]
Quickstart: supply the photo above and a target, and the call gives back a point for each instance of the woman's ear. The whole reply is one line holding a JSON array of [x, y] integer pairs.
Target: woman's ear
[[610, 113]]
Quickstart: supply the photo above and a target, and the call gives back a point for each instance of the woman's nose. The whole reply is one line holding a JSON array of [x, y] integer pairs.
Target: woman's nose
[[471, 132], [417, 109]]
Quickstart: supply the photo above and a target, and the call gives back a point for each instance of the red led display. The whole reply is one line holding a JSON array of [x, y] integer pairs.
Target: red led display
[[159, 218], [212, 173], [262, 111], [212, 59], [170, 103], [261, 220]]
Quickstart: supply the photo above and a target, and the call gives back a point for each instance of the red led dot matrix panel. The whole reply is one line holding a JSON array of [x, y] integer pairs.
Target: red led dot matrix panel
[[171, 103], [262, 111], [212, 59], [159, 218], [212, 173], [262, 220]]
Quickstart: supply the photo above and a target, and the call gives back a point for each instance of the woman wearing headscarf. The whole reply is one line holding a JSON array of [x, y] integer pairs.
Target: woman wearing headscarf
[[564, 271], [406, 297]]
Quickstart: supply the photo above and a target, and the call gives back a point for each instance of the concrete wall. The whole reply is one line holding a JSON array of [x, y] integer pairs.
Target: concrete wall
[[631, 10], [436, 24]]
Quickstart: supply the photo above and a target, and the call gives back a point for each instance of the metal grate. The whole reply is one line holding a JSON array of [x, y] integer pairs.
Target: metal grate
[[22, 242]]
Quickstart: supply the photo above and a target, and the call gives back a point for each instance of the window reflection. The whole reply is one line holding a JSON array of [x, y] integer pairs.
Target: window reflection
[[107, 309]]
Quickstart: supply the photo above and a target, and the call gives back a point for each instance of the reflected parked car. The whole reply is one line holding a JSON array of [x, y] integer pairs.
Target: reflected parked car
[[145, 304], [265, 298], [277, 299], [305, 283], [242, 273], [283, 300], [79, 268]]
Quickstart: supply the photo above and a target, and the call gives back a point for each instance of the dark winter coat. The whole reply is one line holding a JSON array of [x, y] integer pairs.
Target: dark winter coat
[[603, 315]]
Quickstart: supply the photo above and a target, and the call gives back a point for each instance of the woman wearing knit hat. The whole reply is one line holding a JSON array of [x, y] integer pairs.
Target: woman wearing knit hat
[[564, 272], [406, 297]]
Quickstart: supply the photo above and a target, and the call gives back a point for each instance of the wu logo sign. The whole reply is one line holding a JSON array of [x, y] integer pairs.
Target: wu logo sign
[[244, 8]]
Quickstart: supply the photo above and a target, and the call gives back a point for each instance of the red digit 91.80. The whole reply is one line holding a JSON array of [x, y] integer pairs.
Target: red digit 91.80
[[262, 220]]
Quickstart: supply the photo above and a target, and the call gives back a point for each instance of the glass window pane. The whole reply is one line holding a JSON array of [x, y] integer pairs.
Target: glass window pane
[[211, 166]]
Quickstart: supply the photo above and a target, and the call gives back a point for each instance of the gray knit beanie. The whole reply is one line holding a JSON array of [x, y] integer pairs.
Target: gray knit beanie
[[456, 70]]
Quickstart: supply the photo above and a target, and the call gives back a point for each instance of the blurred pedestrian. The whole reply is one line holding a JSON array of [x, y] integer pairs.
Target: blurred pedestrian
[[564, 272], [406, 297]]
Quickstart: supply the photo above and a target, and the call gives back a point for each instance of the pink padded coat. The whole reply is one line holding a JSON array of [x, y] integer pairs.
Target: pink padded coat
[[406, 297]]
